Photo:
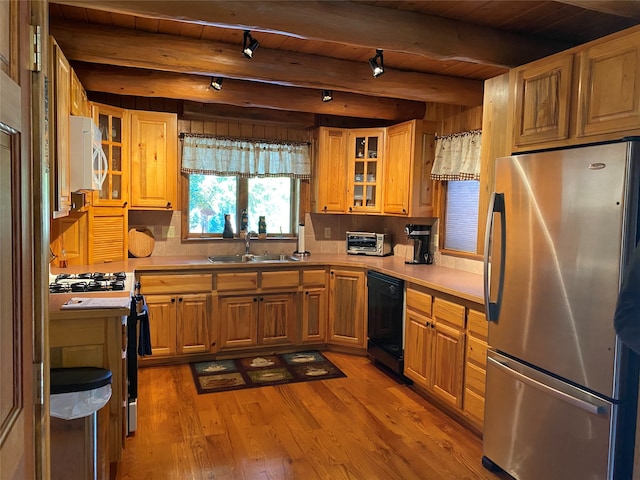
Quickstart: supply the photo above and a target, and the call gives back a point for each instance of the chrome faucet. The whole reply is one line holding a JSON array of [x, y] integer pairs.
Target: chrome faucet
[[247, 241]]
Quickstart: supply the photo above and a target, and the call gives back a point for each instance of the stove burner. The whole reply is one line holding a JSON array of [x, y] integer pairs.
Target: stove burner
[[117, 285], [79, 287], [58, 288], [96, 286]]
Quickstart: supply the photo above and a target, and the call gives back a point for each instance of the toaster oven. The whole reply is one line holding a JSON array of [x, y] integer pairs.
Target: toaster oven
[[367, 243]]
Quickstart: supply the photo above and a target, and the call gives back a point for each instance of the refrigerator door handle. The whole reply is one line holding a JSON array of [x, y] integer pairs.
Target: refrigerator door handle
[[496, 205], [576, 402]]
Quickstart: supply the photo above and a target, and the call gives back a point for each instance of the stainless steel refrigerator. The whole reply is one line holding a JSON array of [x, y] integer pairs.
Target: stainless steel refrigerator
[[561, 388]]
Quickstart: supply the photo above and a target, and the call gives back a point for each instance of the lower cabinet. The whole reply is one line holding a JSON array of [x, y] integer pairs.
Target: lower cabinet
[[434, 344], [314, 306], [256, 320], [475, 373], [347, 295], [179, 320]]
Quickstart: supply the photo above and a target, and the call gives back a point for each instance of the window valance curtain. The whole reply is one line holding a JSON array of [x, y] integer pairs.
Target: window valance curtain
[[457, 157], [211, 155]]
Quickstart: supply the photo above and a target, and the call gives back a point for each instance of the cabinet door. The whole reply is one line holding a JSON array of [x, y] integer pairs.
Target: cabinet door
[[418, 348], [448, 363], [330, 179], [61, 108], [107, 234], [114, 127], [238, 318], [69, 239], [610, 87], [277, 319], [79, 101], [365, 152], [193, 323], [314, 315], [154, 152], [162, 324], [542, 101], [347, 325], [397, 168]]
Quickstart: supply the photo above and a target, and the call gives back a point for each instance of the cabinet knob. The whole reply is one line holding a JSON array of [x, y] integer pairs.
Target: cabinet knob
[[255, 299], [124, 205], [325, 208], [168, 205], [404, 211], [180, 299], [306, 293], [173, 300], [350, 209]]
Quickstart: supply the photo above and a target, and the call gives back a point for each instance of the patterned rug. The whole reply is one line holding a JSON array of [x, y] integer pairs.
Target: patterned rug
[[259, 371]]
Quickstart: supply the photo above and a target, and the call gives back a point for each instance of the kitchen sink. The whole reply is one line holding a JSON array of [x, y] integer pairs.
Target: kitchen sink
[[251, 258]]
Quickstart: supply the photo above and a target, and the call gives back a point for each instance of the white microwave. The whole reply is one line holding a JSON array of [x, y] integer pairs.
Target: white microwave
[[88, 163]]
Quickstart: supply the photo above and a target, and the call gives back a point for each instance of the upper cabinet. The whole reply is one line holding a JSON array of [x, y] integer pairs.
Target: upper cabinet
[[154, 165], [375, 170], [364, 177], [542, 101], [330, 171], [79, 102], [590, 93], [610, 87], [59, 113], [407, 187], [113, 124]]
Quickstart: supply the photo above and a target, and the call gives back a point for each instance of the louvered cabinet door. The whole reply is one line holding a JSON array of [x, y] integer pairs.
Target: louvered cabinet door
[[107, 235]]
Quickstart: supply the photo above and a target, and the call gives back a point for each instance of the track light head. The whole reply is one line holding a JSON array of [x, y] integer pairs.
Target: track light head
[[216, 83], [249, 44], [327, 95], [377, 64]]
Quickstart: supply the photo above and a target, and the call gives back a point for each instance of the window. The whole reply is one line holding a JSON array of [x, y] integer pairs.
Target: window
[[213, 196], [461, 215]]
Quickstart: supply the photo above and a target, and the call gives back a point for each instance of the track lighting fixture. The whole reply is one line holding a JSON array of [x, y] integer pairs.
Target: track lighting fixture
[[216, 83], [249, 45], [327, 95], [377, 67]]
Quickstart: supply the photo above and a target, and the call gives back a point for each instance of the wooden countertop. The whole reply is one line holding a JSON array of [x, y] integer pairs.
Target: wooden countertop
[[454, 282]]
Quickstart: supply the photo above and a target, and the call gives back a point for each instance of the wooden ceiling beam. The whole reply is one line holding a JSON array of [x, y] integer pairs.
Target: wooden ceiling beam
[[196, 88], [231, 113], [349, 23], [129, 48]]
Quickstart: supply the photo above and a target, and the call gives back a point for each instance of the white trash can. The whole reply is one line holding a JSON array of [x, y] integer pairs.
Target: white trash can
[[76, 396]]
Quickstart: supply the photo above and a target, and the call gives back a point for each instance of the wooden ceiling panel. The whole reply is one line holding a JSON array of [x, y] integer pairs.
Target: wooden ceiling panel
[[420, 65]]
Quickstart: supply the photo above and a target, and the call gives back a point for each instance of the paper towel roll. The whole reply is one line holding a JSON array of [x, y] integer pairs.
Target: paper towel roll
[[301, 238]]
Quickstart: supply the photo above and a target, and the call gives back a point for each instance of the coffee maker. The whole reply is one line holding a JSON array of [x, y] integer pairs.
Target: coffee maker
[[421, 236]]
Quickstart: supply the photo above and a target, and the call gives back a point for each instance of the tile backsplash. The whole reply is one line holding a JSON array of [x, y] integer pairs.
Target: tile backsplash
[[323, 234]]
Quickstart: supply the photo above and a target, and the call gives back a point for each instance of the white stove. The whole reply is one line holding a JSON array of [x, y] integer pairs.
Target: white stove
[[91, 282]]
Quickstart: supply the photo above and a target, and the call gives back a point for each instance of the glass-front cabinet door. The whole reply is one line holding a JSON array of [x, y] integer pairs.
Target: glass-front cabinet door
[[366, 149], [113, 129]]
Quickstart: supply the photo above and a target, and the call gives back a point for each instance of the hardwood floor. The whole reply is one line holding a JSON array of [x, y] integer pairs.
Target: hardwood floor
[[362, 427]]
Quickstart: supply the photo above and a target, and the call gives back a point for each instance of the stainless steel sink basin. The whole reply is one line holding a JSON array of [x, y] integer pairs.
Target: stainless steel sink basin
[[251, 258], [227, 259]]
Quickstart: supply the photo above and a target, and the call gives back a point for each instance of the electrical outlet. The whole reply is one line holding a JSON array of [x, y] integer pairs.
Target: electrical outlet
[[327, 232], [171, 232]]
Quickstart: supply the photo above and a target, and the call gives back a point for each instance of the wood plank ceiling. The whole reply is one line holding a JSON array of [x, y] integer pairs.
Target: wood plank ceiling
[[434, 51]]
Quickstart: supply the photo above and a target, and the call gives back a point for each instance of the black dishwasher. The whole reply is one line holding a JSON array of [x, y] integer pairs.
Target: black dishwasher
[[385, 322]]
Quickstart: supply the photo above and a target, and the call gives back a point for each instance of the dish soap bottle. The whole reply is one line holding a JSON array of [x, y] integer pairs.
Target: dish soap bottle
[[262, 227], [244, 221], [228, 230]]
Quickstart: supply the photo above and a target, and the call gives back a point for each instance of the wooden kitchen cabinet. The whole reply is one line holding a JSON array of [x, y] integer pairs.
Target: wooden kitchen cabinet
[[314, 306], [107, 232], [330, 171], [475, 367], [365, 152], [60, 108], [180, 321], [347, 300], [257, 309], [610, 87], [79, 102], [114, 127], [407, 189], [154, 164], [542, 100], [434, 344], [68, 239]]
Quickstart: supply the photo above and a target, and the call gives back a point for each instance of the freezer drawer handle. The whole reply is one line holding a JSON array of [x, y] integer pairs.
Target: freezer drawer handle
[[576, 402]]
